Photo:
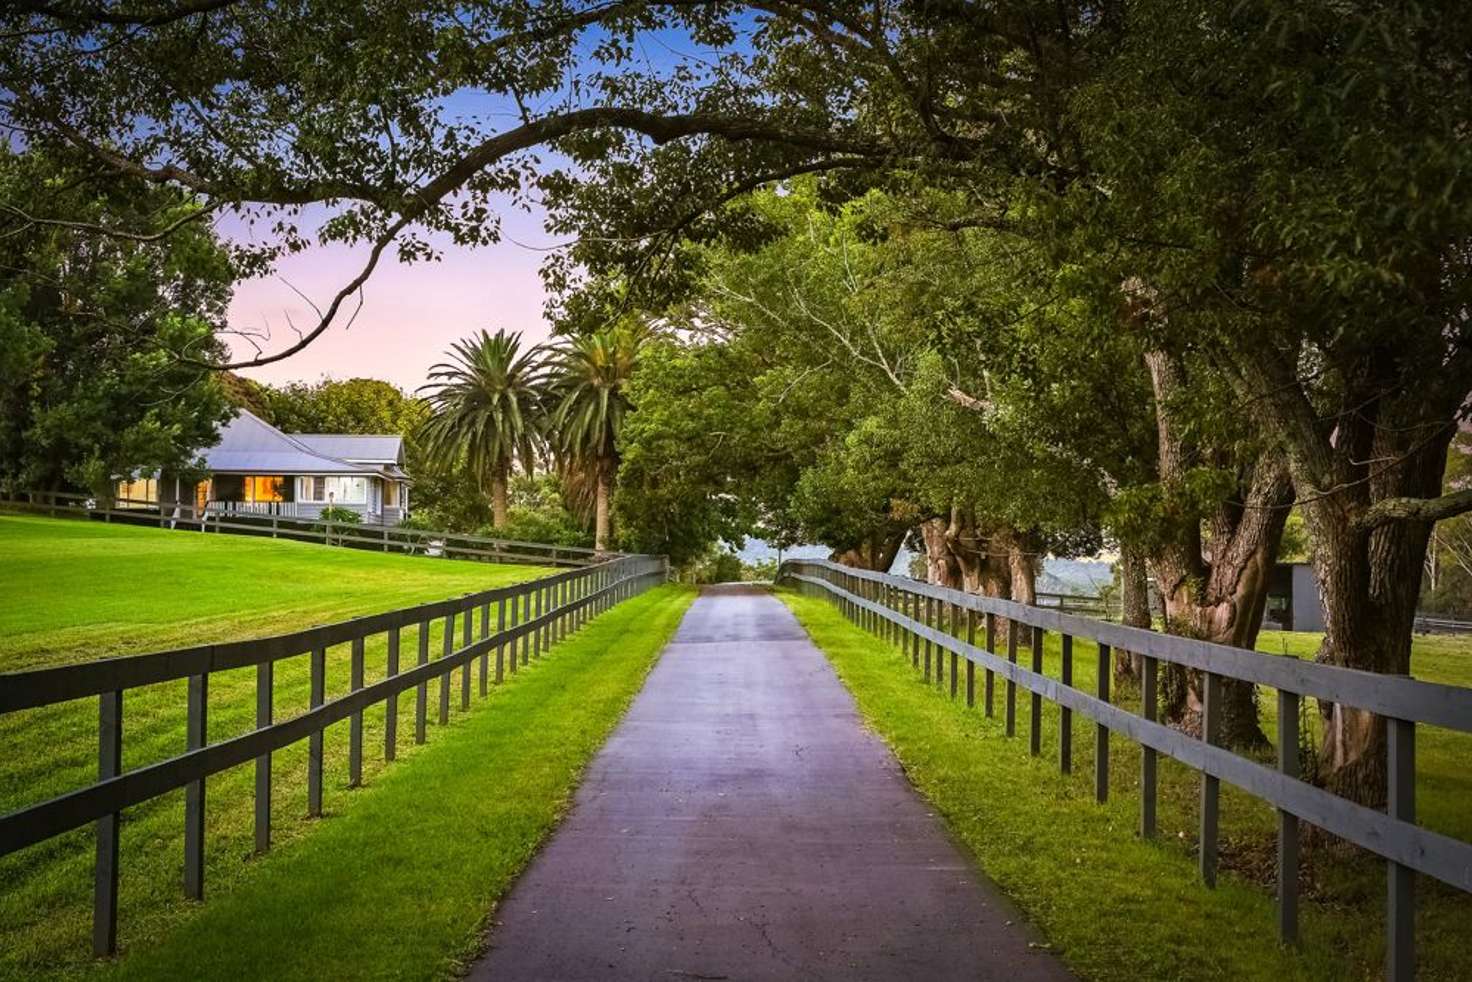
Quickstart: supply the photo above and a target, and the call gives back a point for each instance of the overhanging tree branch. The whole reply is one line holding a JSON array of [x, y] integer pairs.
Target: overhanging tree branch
[[1415, 509]]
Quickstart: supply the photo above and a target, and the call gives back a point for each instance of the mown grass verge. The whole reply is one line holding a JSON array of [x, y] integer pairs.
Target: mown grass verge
[[1113, 905], [76, 590], [399, 883]]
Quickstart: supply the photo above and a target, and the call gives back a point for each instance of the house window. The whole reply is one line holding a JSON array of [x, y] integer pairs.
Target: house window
[[337, 490], [265, 488], [391, 494], [137, 494]]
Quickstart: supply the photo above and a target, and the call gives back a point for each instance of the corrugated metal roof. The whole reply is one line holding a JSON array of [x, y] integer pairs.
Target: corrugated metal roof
[[380, 449], [250, 445]]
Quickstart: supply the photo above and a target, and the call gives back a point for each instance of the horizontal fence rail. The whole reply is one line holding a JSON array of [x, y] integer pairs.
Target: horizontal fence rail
[[912, 614], [358, 535], [539, 613]]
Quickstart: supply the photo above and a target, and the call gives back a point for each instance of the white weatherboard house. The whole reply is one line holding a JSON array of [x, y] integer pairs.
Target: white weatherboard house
[[256, 469]]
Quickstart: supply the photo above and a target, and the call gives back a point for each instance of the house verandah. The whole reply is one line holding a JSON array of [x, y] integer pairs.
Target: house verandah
[[255, 469]]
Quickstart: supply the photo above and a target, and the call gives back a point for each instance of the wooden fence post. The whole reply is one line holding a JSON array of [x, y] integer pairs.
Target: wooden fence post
[[314, 741], [1287, 821], [1211, 714], [955, 632], [928, 619], [264, 677], [970, 665], [521, 618], [421, 694], [469, 621], [1011, 706], [355, 722], [1400, 900], [501, 645], [391, 704], [1065, 716], [195, 735], [1101, 732], [448, 648], [485, 656], [105, 872], [1149, 685], [990, 681], [1035, 727]]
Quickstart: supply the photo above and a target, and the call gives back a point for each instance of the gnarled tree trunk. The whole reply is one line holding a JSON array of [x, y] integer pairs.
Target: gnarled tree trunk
[[1215, 589], [876, 553]]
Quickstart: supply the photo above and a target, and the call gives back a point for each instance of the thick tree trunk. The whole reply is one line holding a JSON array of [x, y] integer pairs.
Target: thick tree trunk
[[1369, 585], [942, 566], [602, 525], [1134, 589], [498, 498], [875, 553], [1214, 588]]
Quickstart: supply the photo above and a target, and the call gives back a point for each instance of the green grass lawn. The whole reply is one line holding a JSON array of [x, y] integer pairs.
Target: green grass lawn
[[1119, 907], [400, 883], [77, 590]]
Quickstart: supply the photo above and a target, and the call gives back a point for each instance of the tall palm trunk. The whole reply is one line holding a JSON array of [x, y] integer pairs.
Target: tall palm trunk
[[601, 522], [499, 481]]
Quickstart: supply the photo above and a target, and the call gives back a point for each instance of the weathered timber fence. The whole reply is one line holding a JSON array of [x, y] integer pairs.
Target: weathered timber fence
[[541, 612], [916, 616], [380, 538]]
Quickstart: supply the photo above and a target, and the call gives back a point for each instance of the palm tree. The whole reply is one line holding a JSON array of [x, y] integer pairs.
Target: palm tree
[[588, 377], [484, 404]]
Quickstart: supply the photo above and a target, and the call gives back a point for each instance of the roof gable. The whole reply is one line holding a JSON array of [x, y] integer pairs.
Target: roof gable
[[248, 444]]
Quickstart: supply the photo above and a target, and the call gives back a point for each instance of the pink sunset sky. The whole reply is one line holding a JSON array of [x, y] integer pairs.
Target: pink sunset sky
[[410, 313]]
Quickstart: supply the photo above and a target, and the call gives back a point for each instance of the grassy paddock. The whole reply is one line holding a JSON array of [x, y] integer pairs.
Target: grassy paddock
[[1116, 906], [78, 590], [400, 885]]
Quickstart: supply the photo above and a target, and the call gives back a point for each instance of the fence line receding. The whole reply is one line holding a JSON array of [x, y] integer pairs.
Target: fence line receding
[[540, 613], [924, 618], [356, 535]]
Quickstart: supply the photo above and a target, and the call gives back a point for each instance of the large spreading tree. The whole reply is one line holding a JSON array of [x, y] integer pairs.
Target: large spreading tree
[[1272, 187]]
